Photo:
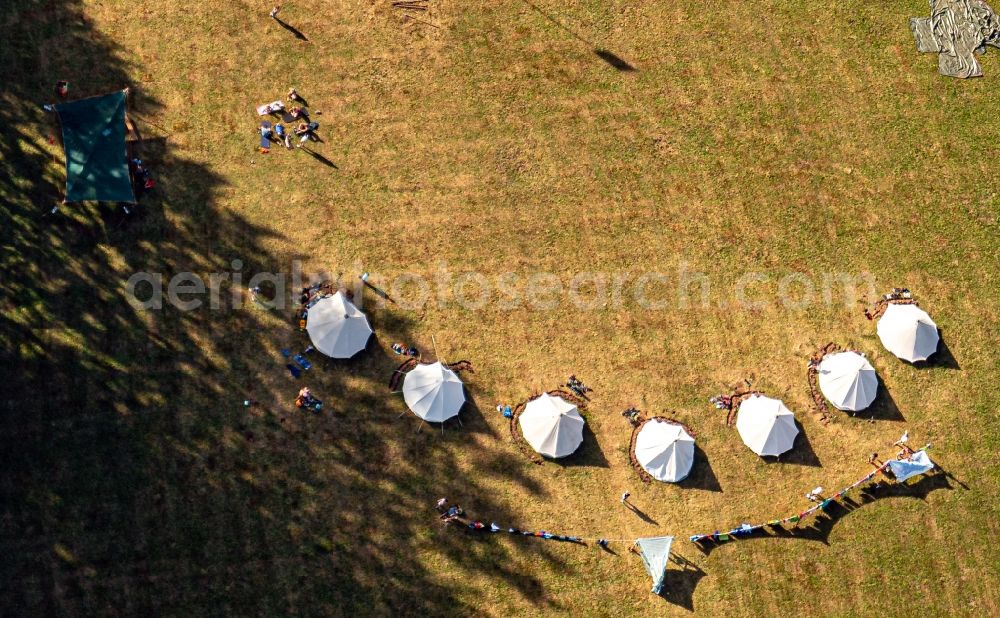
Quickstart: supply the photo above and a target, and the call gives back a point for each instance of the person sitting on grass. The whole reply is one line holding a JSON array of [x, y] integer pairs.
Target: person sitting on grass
[[633, 416], [306, 132], [307, 400], [282, 136]]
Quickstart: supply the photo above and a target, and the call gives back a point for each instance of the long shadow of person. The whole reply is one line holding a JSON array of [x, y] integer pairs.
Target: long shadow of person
[[298, 33], [643, 516], [315, 155], [608, 549], [614, 60]]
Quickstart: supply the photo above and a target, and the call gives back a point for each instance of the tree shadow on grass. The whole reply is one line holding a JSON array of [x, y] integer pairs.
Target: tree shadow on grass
[[472, 417], [819, 526], [483, 547], [134, 477]]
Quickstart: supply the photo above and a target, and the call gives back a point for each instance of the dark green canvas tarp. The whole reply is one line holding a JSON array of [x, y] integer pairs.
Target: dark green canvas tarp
[[94, 139]]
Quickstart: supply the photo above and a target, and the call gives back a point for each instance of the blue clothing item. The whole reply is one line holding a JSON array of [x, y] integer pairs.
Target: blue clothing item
[[279, 130], [917, 464]]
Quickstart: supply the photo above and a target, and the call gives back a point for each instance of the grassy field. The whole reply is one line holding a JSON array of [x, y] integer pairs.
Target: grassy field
[[525, 136]]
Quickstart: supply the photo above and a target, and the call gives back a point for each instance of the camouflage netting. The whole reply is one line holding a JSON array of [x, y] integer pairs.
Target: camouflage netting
[[957, 30]]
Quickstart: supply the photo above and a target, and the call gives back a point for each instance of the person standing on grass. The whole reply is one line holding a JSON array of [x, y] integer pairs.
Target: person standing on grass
[[874, 461], [274, 12], [816, 495], [625, 497]]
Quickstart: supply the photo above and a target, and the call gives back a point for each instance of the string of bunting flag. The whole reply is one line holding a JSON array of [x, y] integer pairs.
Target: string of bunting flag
[[655, 551], [541, 534], [917, 463]]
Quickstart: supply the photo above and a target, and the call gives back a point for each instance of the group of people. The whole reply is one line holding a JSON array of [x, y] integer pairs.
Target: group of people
[[898, 294], [309, 297], [449, 513], [905, 452], [732, 401], [305, 130]]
